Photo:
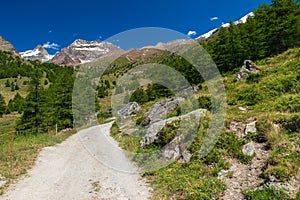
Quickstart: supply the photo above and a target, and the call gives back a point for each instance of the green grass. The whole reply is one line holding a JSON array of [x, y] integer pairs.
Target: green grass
[[6, 91], [267, 194]]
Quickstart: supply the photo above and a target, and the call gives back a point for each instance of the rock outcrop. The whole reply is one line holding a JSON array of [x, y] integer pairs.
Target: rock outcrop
[[132, 108], [248, 68], [7, 46], [161, 109], [154, 128]]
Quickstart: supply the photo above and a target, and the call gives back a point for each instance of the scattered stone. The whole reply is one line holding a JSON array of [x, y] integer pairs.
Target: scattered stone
[[251, 128], [2, 181], [248, 149], [248, 68], [223, 172], [243, 109], [132, 108], [238, 127]]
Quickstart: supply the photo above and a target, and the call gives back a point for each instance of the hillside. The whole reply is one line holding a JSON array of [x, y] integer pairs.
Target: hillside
[[270, 100]]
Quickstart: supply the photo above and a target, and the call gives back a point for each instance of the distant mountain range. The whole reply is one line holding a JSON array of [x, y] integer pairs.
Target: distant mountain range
[[82, 51], [39, 53]]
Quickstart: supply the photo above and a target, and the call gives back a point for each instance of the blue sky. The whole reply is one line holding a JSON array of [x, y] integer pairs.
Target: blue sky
[[58, 22]]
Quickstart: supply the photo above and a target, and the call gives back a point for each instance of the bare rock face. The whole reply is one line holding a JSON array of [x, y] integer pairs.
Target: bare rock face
[[154, 128], [39, 53], [7, 46], [81, 51], [248, 68], [161, 109], [129, 109]]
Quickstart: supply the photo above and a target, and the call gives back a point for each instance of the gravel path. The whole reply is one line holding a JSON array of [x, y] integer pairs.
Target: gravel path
[[88, 165]]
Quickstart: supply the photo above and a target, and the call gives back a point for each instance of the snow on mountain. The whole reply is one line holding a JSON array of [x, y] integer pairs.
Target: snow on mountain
[[39, 53], [82, 51], [225, 25]]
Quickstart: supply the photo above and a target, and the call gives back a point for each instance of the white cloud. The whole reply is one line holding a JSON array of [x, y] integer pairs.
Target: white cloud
[[50, 31], [214, 18], [192, 33], [52, 45]]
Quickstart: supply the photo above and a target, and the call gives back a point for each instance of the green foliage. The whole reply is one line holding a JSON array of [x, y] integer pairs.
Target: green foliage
[[7, 83], [272, 30], [16, 104], [205, 102], [291, 123], [2, 105], [267, 193], [139, 96]]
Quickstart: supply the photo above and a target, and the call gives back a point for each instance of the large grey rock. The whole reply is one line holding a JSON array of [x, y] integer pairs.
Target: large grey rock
[[248, 149], [132, 108], [161, 109], [250, 128], [154, 128], [248, 68]]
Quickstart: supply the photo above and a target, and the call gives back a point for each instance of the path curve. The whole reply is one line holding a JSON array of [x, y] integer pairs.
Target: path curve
[[82, 167]]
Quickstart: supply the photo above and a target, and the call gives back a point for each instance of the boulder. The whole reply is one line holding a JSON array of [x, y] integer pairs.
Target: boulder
[[248, 68], [248, 149], [161, 109], [154, 128], [132, 108], [250, 128]]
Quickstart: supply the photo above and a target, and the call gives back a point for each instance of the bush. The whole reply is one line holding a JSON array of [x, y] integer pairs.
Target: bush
[[205, 102]]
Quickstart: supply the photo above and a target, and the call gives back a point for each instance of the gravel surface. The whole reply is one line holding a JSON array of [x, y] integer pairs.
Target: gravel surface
[[88, 165]]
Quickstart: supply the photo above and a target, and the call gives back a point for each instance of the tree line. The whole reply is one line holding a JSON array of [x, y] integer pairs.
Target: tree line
[[44, 108], [272, 30]]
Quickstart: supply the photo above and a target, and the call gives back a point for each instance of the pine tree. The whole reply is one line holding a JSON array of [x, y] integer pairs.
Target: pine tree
[[31, 118]]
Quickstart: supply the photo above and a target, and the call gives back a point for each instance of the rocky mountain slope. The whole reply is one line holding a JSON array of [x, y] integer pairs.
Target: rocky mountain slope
[[39, 53], [7, 46], [82, 51]]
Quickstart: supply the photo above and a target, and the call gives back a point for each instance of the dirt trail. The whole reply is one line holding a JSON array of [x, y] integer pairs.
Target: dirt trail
[[88, 165], [245, 176]]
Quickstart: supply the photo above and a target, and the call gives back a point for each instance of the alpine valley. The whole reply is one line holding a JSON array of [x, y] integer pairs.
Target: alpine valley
[[255, 154]]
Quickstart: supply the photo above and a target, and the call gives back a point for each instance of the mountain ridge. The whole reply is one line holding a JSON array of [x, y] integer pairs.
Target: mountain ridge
[[7, 46], [39, 53]]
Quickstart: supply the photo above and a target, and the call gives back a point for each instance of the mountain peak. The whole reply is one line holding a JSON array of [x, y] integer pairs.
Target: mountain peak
[[7, 46], [39, 53], [83, 51]]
